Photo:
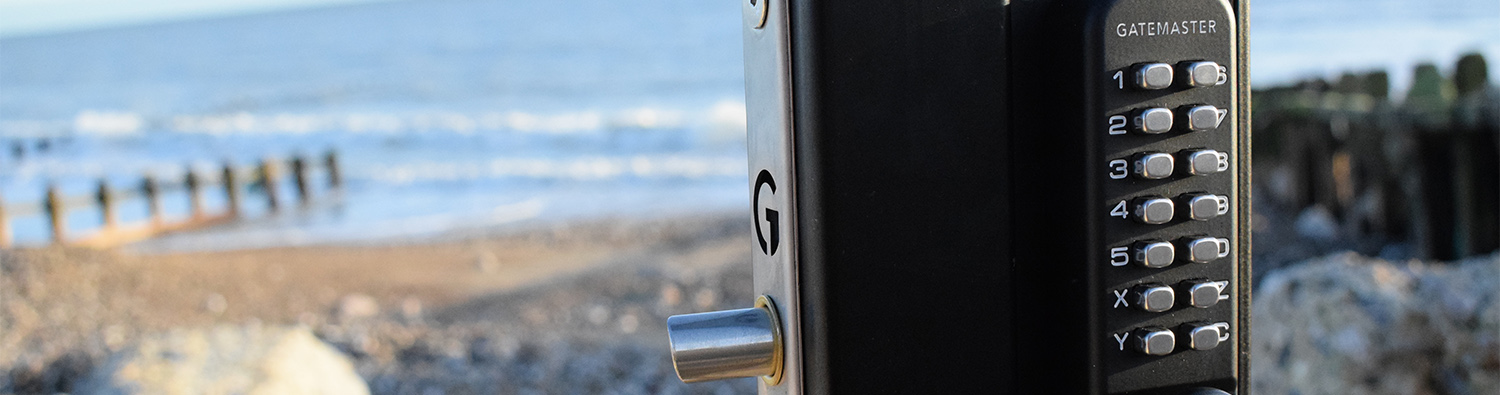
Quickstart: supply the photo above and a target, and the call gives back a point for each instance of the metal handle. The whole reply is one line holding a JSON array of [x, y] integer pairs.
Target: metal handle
[[727, 344]]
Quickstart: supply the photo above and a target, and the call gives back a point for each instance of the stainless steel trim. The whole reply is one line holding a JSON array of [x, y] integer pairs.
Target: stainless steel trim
[[769, 125]]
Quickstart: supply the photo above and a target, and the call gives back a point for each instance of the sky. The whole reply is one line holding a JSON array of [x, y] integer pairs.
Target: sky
[[35, 17]]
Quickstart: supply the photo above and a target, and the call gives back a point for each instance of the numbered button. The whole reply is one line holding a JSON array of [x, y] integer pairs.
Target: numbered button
[[1154, 121], [1203, 294], [1203, 207], [1154, 165], [1203, 74], [1153, 298], [1152, 210], [1202, 249], [1203, 162], [1152, 76], [1204, 117], [1203, 337], [1153, 341], [1154, 254]]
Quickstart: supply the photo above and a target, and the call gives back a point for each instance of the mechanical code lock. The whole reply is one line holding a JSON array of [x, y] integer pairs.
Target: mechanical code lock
[[1004, 196]]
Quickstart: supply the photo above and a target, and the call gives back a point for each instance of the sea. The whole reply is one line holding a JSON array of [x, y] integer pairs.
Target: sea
[[458, 116]]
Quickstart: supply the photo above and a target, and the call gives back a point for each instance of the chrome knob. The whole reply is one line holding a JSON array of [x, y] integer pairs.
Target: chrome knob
[[727, 344]]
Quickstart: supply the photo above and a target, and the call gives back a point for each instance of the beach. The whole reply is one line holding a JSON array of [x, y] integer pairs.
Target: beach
[[572, 308]]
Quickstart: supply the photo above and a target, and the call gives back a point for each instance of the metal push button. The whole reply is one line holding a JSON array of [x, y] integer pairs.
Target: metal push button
[[1203, 249], [727, 344], [1152, 76], [1203, 118], [1203, 162], [1203, 337], [1154, 165], [1154, 341], [1153, 298], [1154, 121], [1202, 74], [1204, 294], [1203, 207], [1154, 254], [1153, 210]]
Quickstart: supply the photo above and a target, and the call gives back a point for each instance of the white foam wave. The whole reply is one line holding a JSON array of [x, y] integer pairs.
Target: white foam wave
[[517, 121], [725, 120], [578, 169], [107, 123]]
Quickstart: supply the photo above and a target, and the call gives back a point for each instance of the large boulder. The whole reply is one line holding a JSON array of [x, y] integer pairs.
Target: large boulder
[[1347, 324], [249, 360]]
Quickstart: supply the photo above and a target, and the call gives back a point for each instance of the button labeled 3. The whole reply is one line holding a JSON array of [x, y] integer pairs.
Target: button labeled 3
[[1153, 165]]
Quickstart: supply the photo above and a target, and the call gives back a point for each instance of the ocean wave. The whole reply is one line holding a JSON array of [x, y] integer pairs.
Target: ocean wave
[[575, 169], [725, 117]]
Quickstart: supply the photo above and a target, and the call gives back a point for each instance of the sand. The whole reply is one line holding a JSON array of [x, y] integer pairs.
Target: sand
[[569, 308]]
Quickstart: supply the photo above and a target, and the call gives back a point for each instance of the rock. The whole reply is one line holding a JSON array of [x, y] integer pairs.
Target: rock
[[357, 306], [226, 360], [486, 262], [1347, 324], [1317, 223]]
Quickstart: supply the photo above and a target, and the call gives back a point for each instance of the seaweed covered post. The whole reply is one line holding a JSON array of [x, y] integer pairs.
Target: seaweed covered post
[[57, 214], [231, 190]]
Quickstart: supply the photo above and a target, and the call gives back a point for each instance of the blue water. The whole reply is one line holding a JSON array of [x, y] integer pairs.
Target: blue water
[[471, 115]]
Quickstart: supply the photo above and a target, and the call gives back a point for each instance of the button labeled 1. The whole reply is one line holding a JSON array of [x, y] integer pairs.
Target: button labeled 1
[[1152, 76]]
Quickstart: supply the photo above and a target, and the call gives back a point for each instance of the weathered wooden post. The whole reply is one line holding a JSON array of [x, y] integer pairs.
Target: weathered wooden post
[[152, 191], [331, 161], [57, 213], [269, 178], [195, 195], [299, 176], [5, 236], [231, 190], [106, 200]]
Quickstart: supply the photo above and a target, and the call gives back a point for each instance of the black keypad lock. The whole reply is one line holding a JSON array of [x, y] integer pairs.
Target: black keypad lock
[[1022, 196]]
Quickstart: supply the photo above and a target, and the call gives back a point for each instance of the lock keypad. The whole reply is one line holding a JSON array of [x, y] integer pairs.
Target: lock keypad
[[1179, 226]]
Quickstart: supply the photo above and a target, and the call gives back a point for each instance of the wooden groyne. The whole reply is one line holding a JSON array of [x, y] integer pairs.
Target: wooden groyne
[[1425, 170], [238, 183]]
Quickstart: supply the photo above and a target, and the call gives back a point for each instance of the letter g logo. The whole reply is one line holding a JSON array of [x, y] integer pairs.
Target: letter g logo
[[772, 217]]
